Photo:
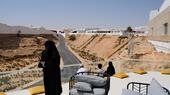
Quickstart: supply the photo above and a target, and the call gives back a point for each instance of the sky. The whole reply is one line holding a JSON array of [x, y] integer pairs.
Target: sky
[[59, 14]]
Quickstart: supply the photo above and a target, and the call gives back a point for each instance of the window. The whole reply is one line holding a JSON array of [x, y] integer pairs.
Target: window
[[166, 28]]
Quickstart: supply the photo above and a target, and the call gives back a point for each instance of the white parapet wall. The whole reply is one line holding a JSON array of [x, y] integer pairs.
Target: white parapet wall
[[153, 14], [165, 5], [156, 12], [161, 46]]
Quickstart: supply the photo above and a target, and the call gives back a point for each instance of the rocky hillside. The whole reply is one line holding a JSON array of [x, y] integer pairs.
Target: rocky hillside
[[19, 52], [6, 29]]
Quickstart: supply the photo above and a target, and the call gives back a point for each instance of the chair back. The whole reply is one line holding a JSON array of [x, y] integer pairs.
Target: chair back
[[141, 87]]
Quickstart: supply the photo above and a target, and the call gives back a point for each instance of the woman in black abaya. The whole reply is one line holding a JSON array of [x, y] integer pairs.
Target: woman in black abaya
[[110, 69], [50, 62]]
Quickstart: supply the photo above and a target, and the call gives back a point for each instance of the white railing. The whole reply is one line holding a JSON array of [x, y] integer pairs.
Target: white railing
[[161, 46]]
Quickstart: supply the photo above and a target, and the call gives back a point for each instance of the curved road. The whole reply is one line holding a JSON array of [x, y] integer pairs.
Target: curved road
[[68, 57]]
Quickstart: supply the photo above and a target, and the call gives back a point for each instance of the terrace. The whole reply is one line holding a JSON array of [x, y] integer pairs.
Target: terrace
[[20, 82]]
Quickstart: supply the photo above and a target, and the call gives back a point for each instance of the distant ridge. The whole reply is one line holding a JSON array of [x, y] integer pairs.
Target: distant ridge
[[6, 29]]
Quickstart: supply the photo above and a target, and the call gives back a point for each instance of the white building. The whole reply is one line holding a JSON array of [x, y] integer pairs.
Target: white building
[[141, 30], [159, 27], [93, 31]]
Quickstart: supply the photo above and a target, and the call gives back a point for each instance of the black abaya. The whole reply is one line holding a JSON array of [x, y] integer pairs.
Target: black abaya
[[51, 70]]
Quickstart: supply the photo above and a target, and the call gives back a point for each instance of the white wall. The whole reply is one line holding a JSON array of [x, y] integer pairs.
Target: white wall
[[164, 5], [154, 13], [161, 46]]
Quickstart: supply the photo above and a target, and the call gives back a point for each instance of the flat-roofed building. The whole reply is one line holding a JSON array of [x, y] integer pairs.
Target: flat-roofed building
[[159, 27], [159, 24]]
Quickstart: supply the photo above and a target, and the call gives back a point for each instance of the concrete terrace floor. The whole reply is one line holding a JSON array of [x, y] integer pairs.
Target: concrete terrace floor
[[116, 84]]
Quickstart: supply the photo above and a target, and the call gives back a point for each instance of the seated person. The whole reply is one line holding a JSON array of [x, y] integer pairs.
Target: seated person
[[100, 70], [81, 69]]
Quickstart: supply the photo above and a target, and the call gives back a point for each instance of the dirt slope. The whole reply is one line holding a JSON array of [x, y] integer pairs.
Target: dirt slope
[[103, 46], [19, 52]]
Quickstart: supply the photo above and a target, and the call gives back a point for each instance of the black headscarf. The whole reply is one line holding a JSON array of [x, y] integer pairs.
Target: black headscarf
[[50, 54], [50, 46]]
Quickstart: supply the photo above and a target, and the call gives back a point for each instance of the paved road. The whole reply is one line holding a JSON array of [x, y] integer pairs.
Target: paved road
[[68, 57]]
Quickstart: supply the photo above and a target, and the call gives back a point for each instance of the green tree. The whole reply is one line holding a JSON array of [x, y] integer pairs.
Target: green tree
[[129, 29], [72, 37]]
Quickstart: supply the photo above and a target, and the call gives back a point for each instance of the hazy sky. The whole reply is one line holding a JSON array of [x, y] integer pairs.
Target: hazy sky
[[57, 14]]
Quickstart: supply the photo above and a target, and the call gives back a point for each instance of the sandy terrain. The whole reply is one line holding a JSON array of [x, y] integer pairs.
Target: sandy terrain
[[80, 39], [19, 52], [143, 51], [101, 46], [102, 50]]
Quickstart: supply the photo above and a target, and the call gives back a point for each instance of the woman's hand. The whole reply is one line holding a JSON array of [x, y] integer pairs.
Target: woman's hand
[[41, 64]]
